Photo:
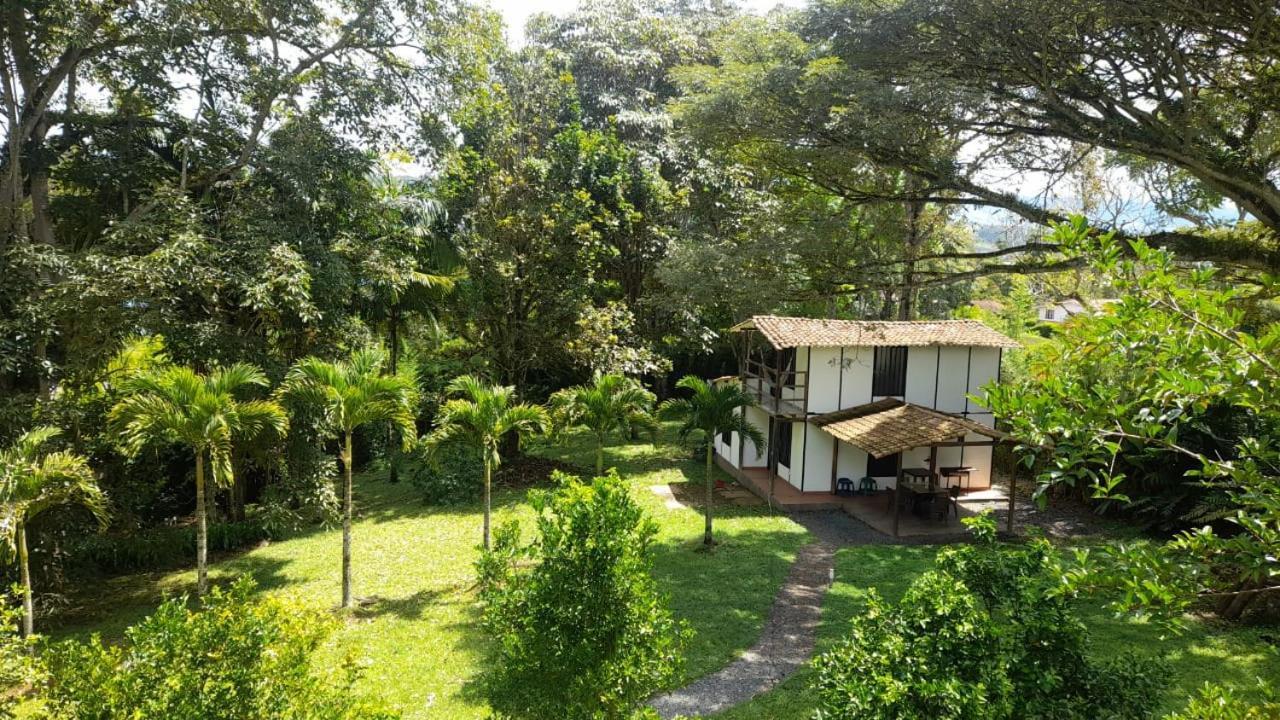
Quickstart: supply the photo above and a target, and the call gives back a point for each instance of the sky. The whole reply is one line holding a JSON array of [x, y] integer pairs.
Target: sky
[[516, 12]]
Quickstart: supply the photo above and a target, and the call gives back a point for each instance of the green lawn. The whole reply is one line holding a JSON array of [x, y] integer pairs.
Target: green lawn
[[422, 645], [1206, 652], [420, 637]]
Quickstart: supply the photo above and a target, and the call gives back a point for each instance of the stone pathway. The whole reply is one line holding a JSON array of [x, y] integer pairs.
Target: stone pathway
[[784, 646]]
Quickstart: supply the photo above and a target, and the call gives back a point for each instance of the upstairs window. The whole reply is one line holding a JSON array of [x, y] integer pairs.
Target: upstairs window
[[890, 372]]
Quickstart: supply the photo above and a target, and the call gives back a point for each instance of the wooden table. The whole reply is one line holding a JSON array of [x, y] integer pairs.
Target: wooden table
[[959, 472], [916, 474]]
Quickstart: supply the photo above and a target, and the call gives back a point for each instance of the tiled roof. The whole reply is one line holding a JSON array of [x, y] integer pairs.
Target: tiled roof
[[889, 426], [787, 332]]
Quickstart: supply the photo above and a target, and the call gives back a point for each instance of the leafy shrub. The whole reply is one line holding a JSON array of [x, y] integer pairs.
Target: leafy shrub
[[1214, 702], [580, 630], [985, 636], [18, 666], [236, 657], [933, 656], [452, 476]]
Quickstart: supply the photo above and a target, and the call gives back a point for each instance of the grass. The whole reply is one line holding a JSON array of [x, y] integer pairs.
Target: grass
[[419, 635], [1207, 651], [418, 631]]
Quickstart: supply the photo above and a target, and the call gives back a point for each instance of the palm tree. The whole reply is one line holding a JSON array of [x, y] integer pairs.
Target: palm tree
[[32, 482], [352, 393], [204, 413], [611, 404], [712, 409], [406, 267], [481, 415]]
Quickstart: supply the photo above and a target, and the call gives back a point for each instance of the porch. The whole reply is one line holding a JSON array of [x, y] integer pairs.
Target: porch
[[876, 510]]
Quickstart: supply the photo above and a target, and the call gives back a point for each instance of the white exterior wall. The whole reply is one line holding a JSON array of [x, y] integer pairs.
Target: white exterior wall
[[937, 377], [751, 457]]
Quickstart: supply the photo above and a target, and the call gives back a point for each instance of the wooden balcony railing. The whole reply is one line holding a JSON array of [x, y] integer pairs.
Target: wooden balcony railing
[[773, 388]]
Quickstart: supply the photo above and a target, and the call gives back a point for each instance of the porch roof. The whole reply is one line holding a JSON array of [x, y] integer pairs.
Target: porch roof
[[889, 426]]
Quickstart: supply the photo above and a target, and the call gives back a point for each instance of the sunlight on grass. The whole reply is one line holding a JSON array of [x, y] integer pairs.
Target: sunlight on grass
[[1207, 652], [416, 627]]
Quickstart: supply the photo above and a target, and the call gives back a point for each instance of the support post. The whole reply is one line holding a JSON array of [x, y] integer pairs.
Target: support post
[[897, 506], [835, 457]]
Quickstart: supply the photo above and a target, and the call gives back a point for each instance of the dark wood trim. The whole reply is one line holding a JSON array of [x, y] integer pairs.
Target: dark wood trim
[[968, 373], [840, 382], [835, 461], [937, 371], [967, 443], [808, 373]]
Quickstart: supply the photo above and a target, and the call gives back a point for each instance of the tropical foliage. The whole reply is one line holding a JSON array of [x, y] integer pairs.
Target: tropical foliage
[[482, 417], [581, 629], [986, 636], [713, 408], [236, 656], [206, 414], [611, 404], [349, 394], [1097, 417], [34, 481]]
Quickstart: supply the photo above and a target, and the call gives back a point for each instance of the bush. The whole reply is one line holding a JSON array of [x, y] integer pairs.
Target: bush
[[580, 630], [18, 666], [984, 637], [933, 656], [453, 476], [236, 657], [1217, 703]]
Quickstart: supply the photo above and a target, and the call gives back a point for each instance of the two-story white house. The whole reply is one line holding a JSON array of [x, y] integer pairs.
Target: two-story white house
[[842, 399]]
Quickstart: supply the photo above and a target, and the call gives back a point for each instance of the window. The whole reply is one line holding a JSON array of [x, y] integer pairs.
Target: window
[[782, 444], [890, 373], [726, 437], [883, 467]]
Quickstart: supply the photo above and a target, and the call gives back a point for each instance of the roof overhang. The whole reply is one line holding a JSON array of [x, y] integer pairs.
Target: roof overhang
[[890, 426]]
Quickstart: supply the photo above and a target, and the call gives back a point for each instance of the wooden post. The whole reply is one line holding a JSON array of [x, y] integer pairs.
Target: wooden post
[[897, 506], [835, 457], [933, 467], [1013, 487]]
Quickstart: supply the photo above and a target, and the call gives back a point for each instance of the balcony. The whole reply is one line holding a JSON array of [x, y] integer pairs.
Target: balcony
[[782, 393]]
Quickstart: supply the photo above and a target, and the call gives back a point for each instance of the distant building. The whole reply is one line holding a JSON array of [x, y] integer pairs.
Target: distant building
[[1062, 310], [992, 306]]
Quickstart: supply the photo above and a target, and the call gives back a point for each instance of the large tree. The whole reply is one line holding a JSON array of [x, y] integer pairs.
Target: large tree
[[968, 101], [549, 216]]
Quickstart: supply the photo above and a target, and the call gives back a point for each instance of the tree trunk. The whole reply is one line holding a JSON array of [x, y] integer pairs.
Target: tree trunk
[[346, 522], [488, 476], [393, 451], [202, 529], [28, 606], [706, 535], [1239, 602]]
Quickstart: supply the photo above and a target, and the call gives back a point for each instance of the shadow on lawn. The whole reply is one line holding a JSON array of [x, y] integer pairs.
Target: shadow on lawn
[[116, 604], [412, 606]]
